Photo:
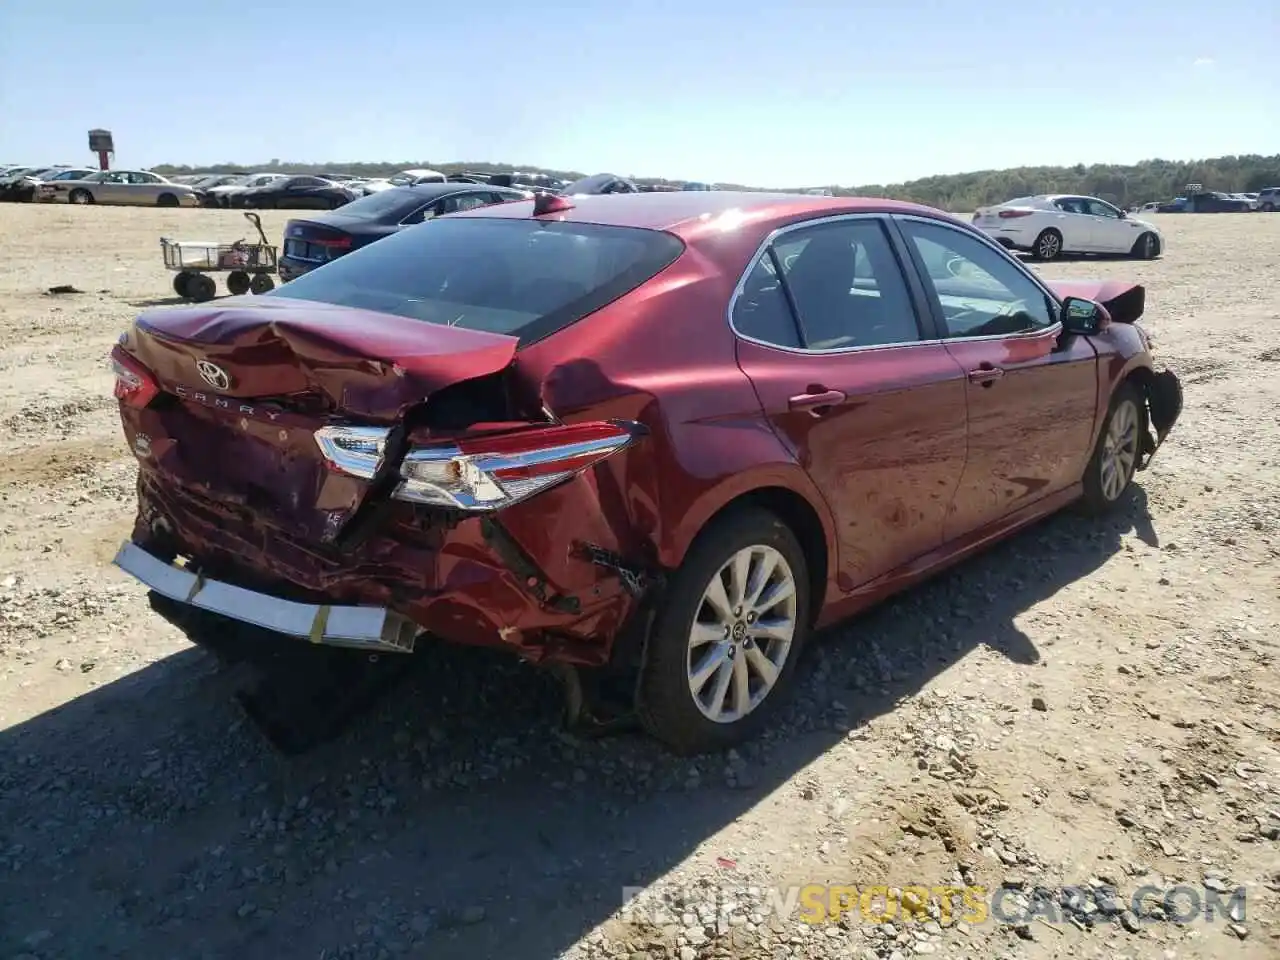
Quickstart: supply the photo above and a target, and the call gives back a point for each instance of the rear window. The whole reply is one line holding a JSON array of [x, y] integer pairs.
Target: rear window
[[387, 204], [525, 278]]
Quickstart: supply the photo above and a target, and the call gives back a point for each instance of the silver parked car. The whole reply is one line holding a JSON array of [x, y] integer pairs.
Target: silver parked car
[[134, 187]]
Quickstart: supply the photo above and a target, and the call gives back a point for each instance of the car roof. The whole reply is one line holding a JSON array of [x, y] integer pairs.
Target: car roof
[[692, 214]]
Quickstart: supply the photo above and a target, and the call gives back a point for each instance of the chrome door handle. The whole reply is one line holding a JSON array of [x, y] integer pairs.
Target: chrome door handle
[[817, 401], [985, 375]]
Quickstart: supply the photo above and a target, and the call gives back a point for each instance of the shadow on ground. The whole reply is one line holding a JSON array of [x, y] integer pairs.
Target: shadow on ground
[[148, 819]]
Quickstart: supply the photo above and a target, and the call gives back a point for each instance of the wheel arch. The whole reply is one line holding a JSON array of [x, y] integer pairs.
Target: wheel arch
[[808, 519]]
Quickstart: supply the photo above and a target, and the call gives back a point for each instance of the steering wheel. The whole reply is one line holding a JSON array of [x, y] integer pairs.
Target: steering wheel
[[955, 267]]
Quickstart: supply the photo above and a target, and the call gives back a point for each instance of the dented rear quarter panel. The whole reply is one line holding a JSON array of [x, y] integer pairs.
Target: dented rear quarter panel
[[708, 442]]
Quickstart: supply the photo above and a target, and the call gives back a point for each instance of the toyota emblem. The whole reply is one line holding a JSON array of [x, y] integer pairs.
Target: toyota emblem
[[213, 375]]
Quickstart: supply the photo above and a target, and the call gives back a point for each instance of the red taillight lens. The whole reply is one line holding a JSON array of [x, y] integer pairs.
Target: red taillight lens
[[1012, 214], [135, 385], [481, 473], [337, 243]]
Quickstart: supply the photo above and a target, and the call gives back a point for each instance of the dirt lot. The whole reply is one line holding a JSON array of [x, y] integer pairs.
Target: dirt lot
[[1088, 704]]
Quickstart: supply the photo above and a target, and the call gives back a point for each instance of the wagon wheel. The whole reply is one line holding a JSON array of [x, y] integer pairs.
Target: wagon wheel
[[238, 282], [201, 288], [261, 283], [180, 281]]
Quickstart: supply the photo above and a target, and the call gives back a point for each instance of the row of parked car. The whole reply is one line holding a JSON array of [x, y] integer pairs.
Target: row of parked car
[[1266, 200], [248, 190]]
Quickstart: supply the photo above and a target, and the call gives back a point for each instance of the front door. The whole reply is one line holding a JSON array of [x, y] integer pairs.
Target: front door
[[1112, 231], [1032, 393], [874, 412]]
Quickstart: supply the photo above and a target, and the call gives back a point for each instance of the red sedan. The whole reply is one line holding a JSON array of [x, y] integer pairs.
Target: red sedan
[[657, 435]]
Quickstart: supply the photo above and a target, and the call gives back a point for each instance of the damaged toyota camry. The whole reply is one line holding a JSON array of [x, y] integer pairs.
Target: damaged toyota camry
[[658, 438]]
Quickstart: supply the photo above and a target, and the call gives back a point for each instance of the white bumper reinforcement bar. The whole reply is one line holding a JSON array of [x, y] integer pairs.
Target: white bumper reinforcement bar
[[365, 628]]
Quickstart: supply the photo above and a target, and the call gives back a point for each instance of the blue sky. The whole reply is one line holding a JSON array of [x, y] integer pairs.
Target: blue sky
[[762, 93]]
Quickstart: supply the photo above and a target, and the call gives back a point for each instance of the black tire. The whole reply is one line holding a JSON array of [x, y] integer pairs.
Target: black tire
[[666, 704], [1268, 208], [1146, 247], [1097, 499], [261, 283], [238, 283], [1048, 245], [27, 195], [81, 196], [167, 200], [201, 288], [180, 280]]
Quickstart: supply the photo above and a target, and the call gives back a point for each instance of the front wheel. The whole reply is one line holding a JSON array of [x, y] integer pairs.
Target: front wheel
[[261, 283], [1115, 457], [167, 200], [1146, 247], [724, 649], [180, 280]]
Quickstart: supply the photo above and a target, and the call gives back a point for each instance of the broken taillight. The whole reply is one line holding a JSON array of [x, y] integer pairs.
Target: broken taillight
[[135, 385], [482, 473]]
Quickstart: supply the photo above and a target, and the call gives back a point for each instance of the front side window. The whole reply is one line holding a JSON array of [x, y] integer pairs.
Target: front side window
[[519, 277], [979, 290], [1099, 209]]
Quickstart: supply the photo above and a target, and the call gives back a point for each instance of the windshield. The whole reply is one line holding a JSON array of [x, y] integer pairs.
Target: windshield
[[526, 278]]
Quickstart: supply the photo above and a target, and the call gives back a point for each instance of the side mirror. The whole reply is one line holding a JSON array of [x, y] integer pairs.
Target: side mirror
[[1081, 316]]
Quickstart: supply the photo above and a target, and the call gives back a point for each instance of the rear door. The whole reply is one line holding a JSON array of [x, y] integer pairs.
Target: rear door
[[852, 377], [1031, 393], [1075, 224]]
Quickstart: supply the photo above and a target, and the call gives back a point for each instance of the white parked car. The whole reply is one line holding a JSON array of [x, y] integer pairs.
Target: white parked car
[[1050, 225], [132, 187]]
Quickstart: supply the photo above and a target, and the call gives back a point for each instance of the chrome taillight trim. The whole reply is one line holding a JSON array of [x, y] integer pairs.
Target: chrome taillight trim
[[357, 451]]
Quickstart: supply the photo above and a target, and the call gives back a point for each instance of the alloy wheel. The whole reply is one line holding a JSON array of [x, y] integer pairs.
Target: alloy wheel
[[1119, 450], [742, 634], [1049, 246]]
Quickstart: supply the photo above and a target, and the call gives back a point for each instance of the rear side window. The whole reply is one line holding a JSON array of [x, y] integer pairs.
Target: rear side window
[[526, 278]]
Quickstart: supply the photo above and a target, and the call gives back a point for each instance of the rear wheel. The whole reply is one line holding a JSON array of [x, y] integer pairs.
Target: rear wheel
[[261, 283], [180, 280], [81, 196], [201, 288], [1048, 245], [1115, 458], [724, 649], [238, 282]]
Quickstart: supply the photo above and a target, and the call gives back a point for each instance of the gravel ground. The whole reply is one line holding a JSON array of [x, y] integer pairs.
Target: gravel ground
[[1091, 705]]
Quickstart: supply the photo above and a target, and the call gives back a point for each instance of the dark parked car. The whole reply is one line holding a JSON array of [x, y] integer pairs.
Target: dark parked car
[[296, 193], [663, 436], [317, 240], [1214, 202]]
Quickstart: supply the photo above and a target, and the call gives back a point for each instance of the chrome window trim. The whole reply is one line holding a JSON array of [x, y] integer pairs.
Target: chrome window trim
[[740, 286]]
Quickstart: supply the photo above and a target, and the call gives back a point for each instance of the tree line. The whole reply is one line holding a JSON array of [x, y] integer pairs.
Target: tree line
[[1121, 184]]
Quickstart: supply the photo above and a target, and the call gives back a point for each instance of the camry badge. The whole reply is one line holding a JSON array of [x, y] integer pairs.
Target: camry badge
[[213, 375]]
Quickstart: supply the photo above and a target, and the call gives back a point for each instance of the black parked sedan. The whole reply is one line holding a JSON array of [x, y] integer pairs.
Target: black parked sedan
[[296, 193], [317, 240]]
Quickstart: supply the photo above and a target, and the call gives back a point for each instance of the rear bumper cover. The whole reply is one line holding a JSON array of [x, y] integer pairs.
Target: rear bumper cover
[[365, 628]]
